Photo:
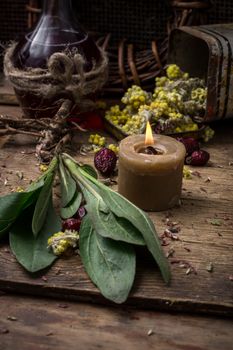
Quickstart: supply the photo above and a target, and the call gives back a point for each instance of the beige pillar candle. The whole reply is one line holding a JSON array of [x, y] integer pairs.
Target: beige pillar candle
[[151, 181]]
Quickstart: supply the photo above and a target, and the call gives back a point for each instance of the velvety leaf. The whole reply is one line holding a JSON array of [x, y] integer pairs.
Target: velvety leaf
[[90, 170], [36, 184], [4, 229], [122, 208], [42, 204], [110, 264], [11, 206], [107, 224], [72, 207], [68, 185], [30, 251], [103, 220], [39, 182]]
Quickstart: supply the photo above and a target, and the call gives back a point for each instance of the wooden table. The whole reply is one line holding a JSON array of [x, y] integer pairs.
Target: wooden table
[[150, 319]]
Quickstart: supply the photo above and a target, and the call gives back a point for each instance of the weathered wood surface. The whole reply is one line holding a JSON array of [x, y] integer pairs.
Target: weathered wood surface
[[204, 199], [33, 324]]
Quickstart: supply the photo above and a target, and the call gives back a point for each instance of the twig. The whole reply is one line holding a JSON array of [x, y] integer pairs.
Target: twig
[[24, 123], [12, 131], [78, 127], [66, 139], [53, 133]]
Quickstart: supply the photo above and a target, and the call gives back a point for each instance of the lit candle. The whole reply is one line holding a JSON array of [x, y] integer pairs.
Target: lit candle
[[150, 170]]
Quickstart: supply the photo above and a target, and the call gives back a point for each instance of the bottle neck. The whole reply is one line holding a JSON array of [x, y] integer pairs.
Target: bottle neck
[[57, 8]]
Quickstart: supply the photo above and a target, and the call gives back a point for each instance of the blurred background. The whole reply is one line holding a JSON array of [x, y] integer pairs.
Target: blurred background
[[139, 21]]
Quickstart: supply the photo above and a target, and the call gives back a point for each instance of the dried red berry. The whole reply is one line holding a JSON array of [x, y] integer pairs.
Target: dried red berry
[[105, 161], [198, 158], [190, 144], [81, 212], [71, 224]]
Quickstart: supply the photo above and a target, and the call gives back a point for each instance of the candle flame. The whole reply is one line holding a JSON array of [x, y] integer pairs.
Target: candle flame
[[149, 140]]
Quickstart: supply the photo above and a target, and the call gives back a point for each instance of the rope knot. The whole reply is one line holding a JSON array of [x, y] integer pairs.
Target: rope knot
[[60, 66], [79, 63]]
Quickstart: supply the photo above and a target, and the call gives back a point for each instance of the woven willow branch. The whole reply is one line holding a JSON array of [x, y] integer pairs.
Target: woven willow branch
[[128, 66]]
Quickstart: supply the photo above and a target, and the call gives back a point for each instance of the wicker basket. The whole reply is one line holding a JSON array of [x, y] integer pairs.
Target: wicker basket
[[138, 41]]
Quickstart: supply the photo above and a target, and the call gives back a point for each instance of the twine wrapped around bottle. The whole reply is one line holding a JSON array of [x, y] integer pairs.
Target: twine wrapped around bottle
[[64, 76]]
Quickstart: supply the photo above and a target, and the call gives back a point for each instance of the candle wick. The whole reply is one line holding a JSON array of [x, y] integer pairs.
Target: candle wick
[[151, 150]]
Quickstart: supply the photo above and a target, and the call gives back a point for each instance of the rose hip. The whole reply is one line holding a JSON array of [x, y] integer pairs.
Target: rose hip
[[190, 144], [105, 161], [71, 224], [81, 212], [198, 158]]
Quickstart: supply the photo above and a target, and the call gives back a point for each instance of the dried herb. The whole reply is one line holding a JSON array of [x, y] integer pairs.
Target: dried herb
[[210, 267], [12, 318], [185, 264], [150, 332], [216, 222]]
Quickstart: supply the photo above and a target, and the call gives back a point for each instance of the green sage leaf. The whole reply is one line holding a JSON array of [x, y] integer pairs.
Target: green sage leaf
[[103, 220], [68, 185], [12, 205], [39, 182], [42, 205], [110, 264], [36, 184], [122, 208], [72, 207], [107, 224], [90, 170], [30, 251]]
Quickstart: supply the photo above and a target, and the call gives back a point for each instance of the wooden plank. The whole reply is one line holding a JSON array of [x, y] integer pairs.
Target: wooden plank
[[28, 323], [205, 198]]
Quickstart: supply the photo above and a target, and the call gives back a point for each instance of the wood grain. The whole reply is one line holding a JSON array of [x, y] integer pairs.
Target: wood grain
[[205, 198], [42, 324]]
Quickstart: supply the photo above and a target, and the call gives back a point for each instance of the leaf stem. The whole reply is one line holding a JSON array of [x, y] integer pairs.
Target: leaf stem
[[51, 168], [76, 172]]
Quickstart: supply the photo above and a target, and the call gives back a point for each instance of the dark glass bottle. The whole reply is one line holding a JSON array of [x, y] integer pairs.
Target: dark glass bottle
[[56, 31]]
